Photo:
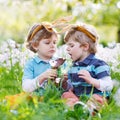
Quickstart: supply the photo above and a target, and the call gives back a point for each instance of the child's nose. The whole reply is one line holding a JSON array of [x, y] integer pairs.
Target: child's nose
[[52, 45], [68, 49]]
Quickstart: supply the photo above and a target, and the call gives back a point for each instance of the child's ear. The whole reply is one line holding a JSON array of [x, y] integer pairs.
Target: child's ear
[[86, 46], [35, 46]]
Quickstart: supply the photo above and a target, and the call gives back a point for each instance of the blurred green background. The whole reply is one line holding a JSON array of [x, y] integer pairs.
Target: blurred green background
[[17, 16]]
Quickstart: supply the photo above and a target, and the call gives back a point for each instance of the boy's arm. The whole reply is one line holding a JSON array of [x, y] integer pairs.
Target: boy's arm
[[103, 84], [29, 85], [106, 84], [28, 82]]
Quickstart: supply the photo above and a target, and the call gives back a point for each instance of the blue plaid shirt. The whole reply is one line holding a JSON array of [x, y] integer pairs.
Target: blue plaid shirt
[[97, 69]]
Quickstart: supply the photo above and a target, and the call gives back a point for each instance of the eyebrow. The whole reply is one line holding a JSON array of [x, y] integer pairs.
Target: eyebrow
[[49, 40]]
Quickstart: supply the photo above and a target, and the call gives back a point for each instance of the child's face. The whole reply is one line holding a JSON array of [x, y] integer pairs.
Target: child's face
[[75, 50], [47, 48]]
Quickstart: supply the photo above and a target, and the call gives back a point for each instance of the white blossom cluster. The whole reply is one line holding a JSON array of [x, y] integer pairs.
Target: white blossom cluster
[[117, 93], [117, 97], [11, 53], [111, 55]]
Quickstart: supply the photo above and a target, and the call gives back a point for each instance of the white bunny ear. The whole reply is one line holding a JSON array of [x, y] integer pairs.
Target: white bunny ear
[[66, 28], [48, 26], [62, 24], [62, 21]]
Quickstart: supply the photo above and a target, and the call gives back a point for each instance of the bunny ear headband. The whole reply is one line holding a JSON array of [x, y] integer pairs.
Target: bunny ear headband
[[63, 25], [59, 23], [86, 29], [88, 32]]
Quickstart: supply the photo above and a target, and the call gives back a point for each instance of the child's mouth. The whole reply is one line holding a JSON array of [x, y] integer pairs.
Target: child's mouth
[[52, 51], [70, 55]]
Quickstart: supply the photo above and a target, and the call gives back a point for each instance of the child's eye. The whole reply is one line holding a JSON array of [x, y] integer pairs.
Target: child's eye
[[54, 42], [71, 45], [47, 43]]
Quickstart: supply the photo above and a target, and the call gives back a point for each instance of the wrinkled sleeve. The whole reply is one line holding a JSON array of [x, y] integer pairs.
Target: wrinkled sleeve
[[106, 84], [29, 83], [102, 71]]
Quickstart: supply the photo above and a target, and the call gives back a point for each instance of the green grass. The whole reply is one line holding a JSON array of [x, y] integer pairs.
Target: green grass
[[51, 107], [10, 80]]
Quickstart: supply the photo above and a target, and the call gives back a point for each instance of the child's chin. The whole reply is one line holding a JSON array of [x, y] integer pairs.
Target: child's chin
[[51, 55], [73, 59]]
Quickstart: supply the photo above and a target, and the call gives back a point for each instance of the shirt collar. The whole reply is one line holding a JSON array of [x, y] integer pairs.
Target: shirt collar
[[86, 61], [38, 60]]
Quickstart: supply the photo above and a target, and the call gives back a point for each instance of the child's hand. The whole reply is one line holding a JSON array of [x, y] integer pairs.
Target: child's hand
[[49, 74], [88, 78], [85, 75]]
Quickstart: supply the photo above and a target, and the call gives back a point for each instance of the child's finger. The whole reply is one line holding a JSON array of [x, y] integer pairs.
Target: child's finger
[[52, 77]]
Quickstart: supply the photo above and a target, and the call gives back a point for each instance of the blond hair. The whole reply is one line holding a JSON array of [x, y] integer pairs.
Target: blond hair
[[38, 32], [83, 34]]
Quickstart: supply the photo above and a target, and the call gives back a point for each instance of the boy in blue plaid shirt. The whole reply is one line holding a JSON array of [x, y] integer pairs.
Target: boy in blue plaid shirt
[[88, 74]]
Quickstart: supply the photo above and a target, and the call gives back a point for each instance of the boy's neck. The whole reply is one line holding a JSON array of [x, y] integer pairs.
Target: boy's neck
[[85, 55]]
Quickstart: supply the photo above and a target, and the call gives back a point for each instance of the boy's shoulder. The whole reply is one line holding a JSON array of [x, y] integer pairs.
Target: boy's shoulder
[[30, 61], [98, 62]]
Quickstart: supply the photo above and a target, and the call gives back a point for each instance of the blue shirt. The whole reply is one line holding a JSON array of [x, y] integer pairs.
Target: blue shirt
[[97, 69], [34, 67]]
